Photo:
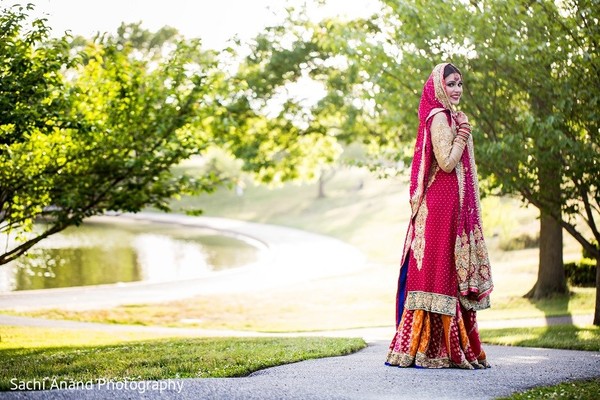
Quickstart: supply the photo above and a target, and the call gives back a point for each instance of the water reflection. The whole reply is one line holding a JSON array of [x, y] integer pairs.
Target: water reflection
[[101, 253]]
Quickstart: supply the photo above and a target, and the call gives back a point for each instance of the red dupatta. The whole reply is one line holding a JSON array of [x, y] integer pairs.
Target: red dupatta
[[471, 257]]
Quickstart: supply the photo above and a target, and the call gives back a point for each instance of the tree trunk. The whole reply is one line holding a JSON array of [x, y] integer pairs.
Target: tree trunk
[[324, 177], [597, 310], [551, 272], [321, 186]]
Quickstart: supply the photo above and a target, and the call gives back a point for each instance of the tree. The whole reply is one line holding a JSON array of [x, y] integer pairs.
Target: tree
[[104, 140], [531, 72], [263, 124]]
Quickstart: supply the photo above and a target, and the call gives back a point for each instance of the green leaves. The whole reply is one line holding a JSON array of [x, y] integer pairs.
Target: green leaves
[[30, 76], [103, 139]]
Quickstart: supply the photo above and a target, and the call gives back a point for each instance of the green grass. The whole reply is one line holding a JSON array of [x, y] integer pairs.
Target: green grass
[[553, 337], [29, 354], [577, 390]]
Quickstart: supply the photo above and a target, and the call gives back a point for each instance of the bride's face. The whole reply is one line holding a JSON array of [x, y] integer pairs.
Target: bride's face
[[454, 87]]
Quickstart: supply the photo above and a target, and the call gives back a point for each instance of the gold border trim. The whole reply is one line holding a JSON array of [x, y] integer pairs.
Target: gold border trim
[[433, 302]]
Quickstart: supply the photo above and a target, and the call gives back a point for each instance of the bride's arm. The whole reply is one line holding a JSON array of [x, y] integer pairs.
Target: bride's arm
[[447, 147]]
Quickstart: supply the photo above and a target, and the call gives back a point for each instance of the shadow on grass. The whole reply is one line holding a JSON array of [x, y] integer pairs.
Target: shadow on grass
[[560, 331], [563, 309], [568, 337], [555, 308]]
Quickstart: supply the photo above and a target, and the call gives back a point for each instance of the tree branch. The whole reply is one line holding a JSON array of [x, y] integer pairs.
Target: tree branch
[[580, 238], [590, 214], [24, 247]]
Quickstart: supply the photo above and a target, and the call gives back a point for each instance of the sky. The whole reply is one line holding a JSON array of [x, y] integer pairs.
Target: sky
[[215, 21]]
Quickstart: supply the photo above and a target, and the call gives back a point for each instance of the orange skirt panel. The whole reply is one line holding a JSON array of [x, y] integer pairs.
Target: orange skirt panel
[[430, 340]]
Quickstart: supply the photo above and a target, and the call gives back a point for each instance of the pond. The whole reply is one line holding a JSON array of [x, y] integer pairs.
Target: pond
[[102, 253]]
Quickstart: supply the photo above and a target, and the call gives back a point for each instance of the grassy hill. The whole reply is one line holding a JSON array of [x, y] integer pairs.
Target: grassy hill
[[367, 212]]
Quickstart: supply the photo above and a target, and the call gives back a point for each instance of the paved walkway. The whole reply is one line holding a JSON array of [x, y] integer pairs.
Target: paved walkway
[[291, 256]]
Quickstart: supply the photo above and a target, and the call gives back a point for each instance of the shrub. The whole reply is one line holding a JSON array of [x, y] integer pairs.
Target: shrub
[[581, 273]]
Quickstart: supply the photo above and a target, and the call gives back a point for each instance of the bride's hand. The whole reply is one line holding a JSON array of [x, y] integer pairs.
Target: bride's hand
[[461, 118]]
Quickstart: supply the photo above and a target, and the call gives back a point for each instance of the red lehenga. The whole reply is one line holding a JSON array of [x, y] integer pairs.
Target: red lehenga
[[445, 274]]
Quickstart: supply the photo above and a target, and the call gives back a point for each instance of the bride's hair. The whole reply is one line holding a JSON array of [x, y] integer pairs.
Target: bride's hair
[[450, 69]]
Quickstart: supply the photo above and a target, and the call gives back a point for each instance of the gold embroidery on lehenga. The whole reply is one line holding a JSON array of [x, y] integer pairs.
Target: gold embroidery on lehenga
[[461, 257], [422, 360], [399, 359], [434, 302], [476, 305], [414, 201], [460, 176], [473, 268], [418, 244]]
